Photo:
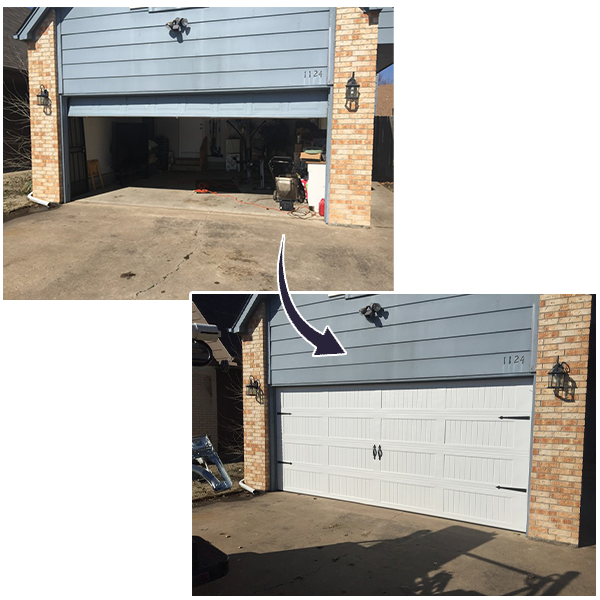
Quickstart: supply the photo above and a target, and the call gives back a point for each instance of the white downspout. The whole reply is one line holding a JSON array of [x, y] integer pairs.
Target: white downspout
[[246, 487], [45, 203]]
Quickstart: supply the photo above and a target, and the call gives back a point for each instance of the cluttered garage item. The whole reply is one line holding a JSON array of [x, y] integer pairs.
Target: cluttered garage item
[[289, 187], [202, 452]]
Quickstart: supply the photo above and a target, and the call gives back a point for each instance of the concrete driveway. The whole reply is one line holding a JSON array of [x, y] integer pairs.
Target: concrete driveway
[[282, 543], [135, 247]]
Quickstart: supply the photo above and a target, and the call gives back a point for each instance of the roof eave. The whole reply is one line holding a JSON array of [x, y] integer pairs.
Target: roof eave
[[240, 323], [27, 29]]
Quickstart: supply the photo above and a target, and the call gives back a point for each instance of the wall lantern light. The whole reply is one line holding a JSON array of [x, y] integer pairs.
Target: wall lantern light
[[371, 310], [178, 25], [559, 380], [352, 94], [43, 99], [253, 387]]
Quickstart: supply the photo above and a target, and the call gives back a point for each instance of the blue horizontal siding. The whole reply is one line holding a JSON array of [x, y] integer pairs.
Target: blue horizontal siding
[[239, 46], [106, 19], [240, 80], [416, 337], [115, 51], [386, 26]]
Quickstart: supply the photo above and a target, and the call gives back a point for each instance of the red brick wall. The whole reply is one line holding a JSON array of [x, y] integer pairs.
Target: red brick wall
[[352, 132], [256, 413], [558, 428], [45, 128]]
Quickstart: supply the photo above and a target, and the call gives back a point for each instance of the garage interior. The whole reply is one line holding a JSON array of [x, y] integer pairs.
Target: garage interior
[[218, 162]]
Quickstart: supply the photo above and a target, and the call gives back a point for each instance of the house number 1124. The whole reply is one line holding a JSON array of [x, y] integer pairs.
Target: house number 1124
[[313, 73], [514, 359]]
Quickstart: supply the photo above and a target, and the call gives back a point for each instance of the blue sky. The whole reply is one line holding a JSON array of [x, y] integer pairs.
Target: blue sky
[[389, 73]]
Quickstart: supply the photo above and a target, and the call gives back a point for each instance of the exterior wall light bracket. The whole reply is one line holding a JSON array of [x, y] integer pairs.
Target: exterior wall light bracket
[[352, 94], [253, 389], [560, 381], [178, 25], [43, 99], [371, 310]]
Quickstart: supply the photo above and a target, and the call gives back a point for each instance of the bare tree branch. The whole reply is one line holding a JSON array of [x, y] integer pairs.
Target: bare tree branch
[[17, 138]]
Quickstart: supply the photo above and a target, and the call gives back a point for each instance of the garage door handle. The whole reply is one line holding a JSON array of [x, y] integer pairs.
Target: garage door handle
[[501, 487], [520, 418], [380, 453], [374, 451]]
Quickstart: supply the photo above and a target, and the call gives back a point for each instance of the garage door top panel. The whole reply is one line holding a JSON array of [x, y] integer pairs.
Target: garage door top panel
[[301, 104]]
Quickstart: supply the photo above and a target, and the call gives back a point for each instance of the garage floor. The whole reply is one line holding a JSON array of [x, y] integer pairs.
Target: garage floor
[[103, 250], [282, 543], [176, 189]]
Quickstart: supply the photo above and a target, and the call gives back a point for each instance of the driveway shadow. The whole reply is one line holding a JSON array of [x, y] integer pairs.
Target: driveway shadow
[[416, 564]]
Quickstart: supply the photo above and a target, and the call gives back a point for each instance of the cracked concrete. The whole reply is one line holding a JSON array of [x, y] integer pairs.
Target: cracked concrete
[[303, 545], [164, 277], [89, 250]]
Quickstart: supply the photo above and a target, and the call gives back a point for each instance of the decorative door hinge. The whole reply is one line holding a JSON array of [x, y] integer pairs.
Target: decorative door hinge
[[512, 489], [520, 418]]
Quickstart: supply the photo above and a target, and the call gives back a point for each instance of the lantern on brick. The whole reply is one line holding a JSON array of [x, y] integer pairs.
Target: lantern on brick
[[352, 94], [43, 99], [559, 380], [253, 387]]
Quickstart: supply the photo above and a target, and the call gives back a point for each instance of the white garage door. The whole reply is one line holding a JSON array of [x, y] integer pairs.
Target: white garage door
[[460, 451]]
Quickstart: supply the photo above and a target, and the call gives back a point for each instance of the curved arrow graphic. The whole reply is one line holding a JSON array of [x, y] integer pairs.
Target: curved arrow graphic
[[325, 344]]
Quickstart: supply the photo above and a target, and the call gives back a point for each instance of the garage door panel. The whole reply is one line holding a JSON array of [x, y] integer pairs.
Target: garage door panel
[[350, 456], [356, 428], [408, 495], [346, 486], [295, 400], [358, 399], [413, 399], [461, 432], [488, 398], [298, 425], [478, 469], [272, 104], [444, 449], [408, 462], [488, 433], [302, 480], [509, 511], [421, 431], [296, 452]]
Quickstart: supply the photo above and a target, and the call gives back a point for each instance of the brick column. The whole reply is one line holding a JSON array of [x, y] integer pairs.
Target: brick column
[[256, 409], [558, 427], [352, 132], [45, 128]]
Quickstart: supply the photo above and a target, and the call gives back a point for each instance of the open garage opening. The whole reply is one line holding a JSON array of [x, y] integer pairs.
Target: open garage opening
[[259, 165]]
